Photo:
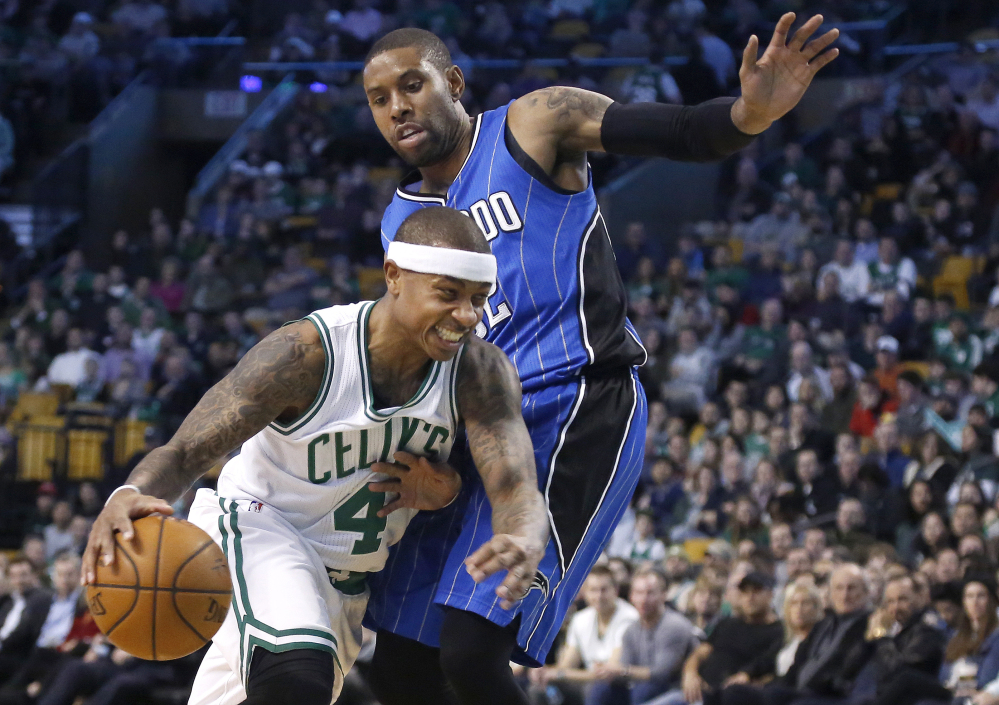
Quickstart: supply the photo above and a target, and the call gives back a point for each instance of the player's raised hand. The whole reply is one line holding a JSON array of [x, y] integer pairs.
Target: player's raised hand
[[518, 555], [775, 82], [117, 515], [419, 482]]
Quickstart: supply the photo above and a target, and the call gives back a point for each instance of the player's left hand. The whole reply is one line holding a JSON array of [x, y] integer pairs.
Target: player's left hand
[[518, 555], [419, 482], [774, 83]]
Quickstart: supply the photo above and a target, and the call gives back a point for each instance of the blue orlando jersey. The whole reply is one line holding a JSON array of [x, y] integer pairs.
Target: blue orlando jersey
[[559, 309]]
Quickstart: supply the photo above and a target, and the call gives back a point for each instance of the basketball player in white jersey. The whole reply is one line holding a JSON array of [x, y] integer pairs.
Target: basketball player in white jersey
[[320, 408]]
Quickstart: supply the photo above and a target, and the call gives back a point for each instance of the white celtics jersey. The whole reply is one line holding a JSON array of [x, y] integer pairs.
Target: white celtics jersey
[[315, 470]]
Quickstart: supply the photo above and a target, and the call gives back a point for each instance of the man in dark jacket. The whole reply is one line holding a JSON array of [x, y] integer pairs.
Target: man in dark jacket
[[827, 661], [906, 660], [837, 413], [22, 614]]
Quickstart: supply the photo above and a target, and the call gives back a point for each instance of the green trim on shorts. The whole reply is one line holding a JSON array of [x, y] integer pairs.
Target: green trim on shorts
[[247, 619]]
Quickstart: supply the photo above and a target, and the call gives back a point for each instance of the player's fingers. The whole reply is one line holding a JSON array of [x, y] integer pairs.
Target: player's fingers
[[480, 557], [780, 31], [514, 587], [817, 46], [750, 52], [475, 563], [391, 507], [407, 459], [804, 32], [88, 562], [385, 486], [823, 59], [145, 507], [391, 469]]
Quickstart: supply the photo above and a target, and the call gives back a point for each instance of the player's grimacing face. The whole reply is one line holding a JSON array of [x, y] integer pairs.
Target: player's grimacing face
[[439, 312], [412, 102]]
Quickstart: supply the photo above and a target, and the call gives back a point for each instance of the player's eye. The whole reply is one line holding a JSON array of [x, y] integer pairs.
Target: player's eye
[[478, 301], [414, 86], [448, 294]]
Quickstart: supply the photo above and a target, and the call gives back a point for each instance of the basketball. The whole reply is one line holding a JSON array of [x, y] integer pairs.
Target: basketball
[[167, 592]]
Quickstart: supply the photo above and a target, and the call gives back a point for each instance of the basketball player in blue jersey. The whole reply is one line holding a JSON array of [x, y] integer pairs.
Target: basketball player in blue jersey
[[559, 312]]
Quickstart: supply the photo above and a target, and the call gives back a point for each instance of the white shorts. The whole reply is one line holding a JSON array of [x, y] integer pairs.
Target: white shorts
[[283, 598]]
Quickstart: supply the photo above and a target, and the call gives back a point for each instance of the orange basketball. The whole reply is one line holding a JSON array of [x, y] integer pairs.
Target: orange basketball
[[167, 592]]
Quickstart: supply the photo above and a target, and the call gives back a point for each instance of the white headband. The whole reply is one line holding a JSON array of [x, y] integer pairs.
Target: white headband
[[470, 266]]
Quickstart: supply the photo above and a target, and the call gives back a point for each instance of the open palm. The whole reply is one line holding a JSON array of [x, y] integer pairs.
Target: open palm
[[774, 83]]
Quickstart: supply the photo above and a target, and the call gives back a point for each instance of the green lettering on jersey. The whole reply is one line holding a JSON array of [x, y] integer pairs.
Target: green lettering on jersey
[[369, 525], [362, 461], [409, 427], [317, 441], [387, 444], [341, 450], [439, 431]]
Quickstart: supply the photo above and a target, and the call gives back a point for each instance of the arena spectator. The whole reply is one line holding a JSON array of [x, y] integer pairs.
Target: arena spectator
[[654, 648], [70, 367], [22, 611], [594, 638], [739, 643]]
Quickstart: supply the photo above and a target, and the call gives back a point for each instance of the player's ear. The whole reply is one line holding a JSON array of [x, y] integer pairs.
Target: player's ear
[[392, 274], [455, 82]]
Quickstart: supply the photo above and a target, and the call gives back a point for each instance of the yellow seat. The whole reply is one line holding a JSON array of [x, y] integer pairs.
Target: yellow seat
[[588, 50], [86, 455], [34, 404], [40, 447], [953, 280], [569, 30], [920, 368], [371, 282], [737, 247], [888, 192], [129, 439], [696, 548]]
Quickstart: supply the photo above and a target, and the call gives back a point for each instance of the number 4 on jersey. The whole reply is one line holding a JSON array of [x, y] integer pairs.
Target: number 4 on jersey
[[370, 525]]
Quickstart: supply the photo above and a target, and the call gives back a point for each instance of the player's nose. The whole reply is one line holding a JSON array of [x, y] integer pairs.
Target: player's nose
[[400, 106], [465, 315]]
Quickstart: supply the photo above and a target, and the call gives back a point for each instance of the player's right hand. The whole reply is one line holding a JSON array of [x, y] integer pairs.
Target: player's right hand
[[117, 515], [518, 555]]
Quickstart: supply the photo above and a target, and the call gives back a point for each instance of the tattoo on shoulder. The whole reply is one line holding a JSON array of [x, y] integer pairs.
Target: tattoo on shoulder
[[488, 388], [566, 101]]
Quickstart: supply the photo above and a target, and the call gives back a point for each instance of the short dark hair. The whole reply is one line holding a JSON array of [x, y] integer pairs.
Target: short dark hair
[[430, 45], [18, 558], [602, 571], [440, 226]]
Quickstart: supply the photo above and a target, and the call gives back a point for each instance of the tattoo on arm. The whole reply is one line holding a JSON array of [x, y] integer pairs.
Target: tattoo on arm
[[280, 376], [571, 103], [488, 392]]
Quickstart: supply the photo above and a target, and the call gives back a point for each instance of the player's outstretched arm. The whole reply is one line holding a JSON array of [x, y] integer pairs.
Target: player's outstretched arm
[[488, 391], [278, 378], [555, 125]]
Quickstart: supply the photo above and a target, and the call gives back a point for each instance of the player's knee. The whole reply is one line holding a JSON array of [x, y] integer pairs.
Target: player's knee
[[297, 677]]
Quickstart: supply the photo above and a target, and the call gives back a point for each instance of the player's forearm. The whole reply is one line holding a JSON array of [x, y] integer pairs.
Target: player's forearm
[[164, 473], [505, 461], [699, 133]]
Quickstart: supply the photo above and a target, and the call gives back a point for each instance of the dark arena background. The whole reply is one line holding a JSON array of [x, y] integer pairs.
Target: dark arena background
[[821, 311]]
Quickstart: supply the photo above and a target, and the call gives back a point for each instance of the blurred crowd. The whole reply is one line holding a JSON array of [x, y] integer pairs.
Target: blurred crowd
[[818, 520], [63, 60]]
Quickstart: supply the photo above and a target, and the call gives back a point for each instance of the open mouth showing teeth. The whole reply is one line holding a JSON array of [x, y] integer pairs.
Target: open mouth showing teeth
[[449, 335]]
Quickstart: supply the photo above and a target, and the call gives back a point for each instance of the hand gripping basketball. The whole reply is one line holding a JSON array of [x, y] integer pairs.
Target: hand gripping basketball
[[117, 515], [167, 593]]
